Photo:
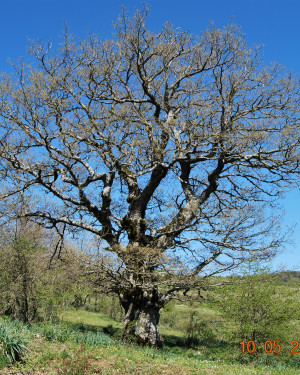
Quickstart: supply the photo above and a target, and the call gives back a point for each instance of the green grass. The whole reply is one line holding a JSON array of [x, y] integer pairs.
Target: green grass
[[88, 318], [77, 345], [13, 341], [70, 358], [3, 361]]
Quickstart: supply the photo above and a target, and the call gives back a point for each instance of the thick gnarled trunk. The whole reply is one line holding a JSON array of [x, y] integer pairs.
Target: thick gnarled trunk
[[142, 317]]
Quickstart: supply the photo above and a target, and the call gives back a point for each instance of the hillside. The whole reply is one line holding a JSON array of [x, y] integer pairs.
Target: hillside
[[198, 340]]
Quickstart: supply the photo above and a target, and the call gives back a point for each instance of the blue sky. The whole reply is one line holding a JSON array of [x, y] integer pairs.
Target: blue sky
[[275, 24]]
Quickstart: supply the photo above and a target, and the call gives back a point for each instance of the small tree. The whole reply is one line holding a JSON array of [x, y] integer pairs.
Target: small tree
[[165, 146], [261, 310], [19, 278], [32, 288]]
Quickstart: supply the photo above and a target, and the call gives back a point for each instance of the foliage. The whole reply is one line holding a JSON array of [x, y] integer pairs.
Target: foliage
[[20, 276], [80, 345], [3, 360], [30, 290], [55, 358], [198, 330], [169, 316], [13, 342], [108, 304], [261, 310]]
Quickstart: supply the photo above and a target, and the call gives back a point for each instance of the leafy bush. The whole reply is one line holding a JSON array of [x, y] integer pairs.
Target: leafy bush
[[261, 309], [30, 290]]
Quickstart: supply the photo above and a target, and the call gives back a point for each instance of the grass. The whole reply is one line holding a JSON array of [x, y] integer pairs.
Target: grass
[[89, 318], [13, 341], [75, 359], [77, 345]]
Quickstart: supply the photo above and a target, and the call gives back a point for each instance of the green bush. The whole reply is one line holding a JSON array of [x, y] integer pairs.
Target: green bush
[[259, 307], [32, 289]]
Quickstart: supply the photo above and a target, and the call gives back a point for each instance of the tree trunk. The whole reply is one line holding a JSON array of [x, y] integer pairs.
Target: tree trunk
[[142, 317], [96, 308]]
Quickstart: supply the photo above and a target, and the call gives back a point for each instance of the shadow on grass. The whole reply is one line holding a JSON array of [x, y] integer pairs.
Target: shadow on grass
[[191, 342], [109, 329], [171, 341], [212, 350]]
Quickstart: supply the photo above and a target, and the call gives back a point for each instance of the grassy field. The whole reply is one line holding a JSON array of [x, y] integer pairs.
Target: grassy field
[[76, 345]]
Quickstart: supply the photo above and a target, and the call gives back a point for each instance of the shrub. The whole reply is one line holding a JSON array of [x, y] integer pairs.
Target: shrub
[[260, 308], [31, 288]]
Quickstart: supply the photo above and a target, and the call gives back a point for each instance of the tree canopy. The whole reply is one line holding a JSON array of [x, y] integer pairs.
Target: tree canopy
[[167, 147]]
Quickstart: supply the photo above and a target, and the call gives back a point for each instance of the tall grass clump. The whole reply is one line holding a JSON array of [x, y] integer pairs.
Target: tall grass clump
[[94, 339], [13, 341]]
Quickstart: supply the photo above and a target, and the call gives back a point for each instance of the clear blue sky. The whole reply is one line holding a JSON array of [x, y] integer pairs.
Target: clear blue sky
[[274, 23]]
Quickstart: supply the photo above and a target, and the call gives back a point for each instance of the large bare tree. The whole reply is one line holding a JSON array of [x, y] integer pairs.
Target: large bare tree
[[169, 148]]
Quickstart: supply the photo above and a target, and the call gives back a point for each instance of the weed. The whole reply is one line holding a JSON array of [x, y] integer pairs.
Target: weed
[[3, 361], [75, 364]]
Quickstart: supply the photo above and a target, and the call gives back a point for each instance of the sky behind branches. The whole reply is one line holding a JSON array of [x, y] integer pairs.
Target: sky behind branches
[[275, 24]]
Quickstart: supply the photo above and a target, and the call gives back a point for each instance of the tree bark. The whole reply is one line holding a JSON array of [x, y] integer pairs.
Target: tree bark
[[142, 316]]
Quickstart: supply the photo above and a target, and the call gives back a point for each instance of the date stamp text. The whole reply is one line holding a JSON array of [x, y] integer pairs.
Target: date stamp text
[[270, 347]]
